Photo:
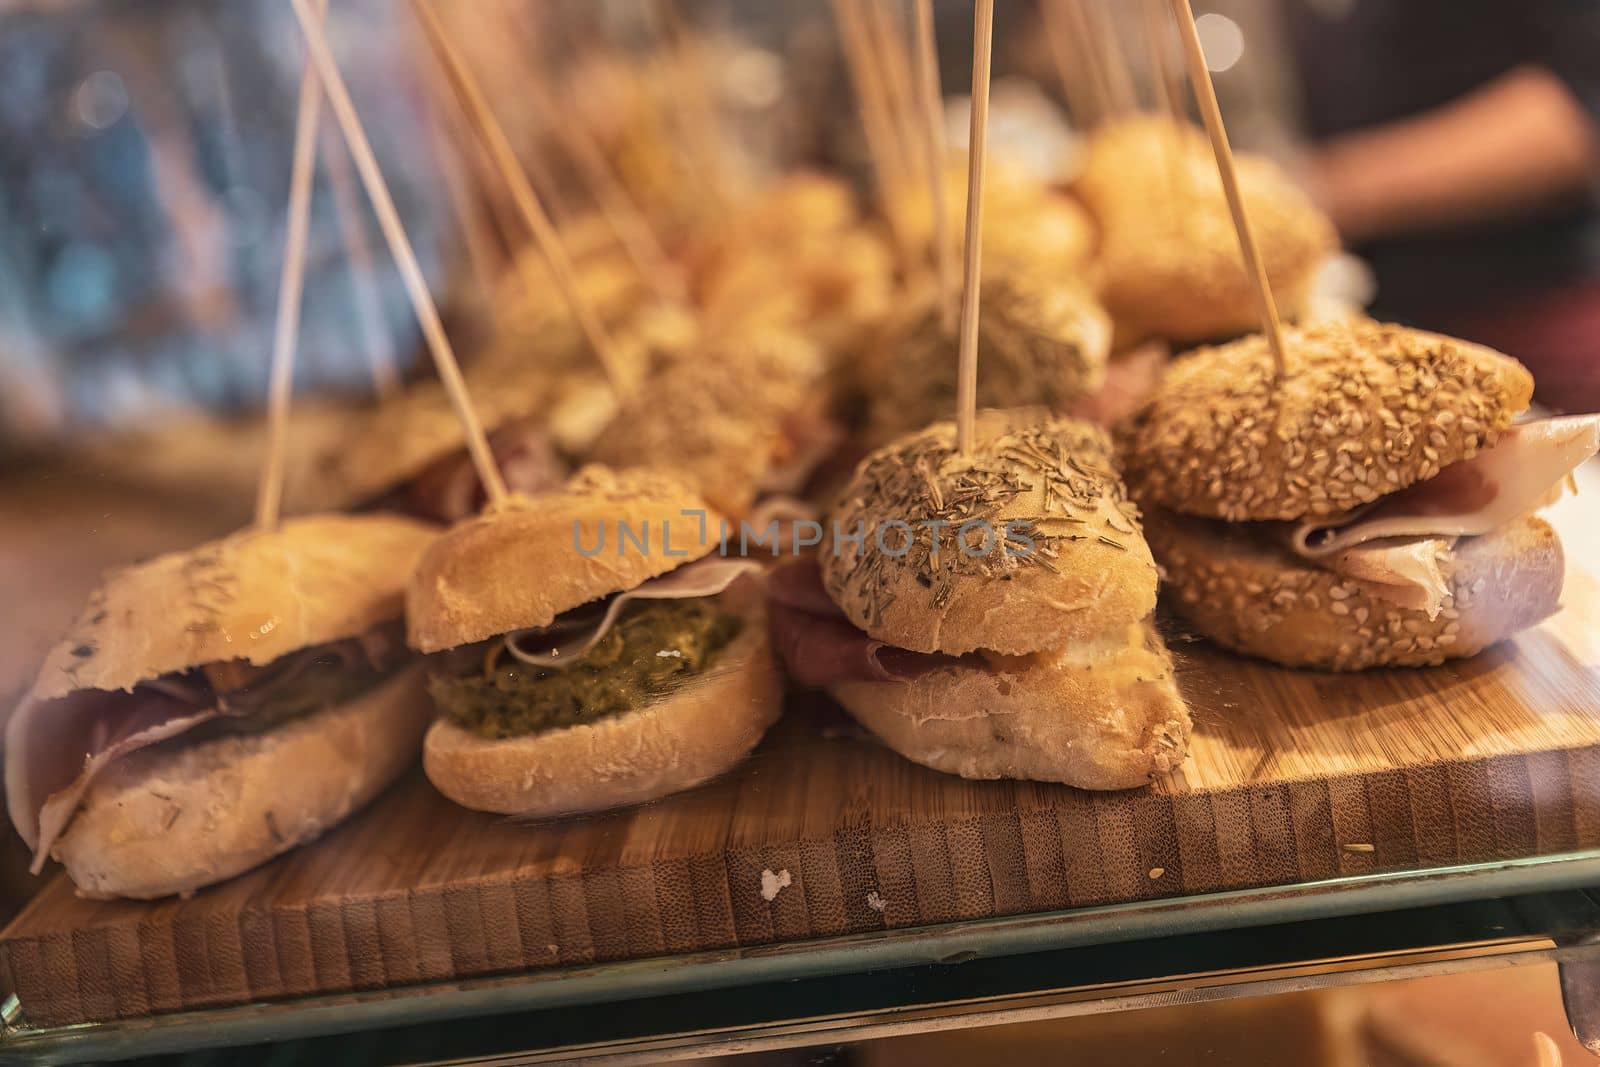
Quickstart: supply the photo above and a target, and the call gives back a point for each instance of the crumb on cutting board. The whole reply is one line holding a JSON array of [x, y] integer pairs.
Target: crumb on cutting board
[[773, 884]]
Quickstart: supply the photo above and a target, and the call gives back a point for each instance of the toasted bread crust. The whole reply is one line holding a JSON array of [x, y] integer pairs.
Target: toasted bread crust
[[1111, 722], [1088, 571], [1253, 597], [1366, 409], [521, 565], [254, 595], [176, 817]]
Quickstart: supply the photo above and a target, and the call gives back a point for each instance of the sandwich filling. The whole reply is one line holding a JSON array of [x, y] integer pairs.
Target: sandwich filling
[[1394, 546], [601, 659], [74, 738], [652, 648]]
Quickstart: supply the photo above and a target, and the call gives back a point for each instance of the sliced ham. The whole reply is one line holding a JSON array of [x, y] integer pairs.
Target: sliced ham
[[1524, 471], [55, 749], [820, 646], [1403, 571], [448, 490], [1393, 547], [566, 640]]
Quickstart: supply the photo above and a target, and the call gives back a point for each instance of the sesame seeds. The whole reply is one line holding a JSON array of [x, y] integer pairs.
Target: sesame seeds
[[1366, 410]]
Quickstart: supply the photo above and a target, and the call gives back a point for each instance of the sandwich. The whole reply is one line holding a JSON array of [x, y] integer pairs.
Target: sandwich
[[744, 419], [1374, 507], [798, 256], [1042, 341], [1169, 256], [211, 709], [409, 454], [589, 649], [989, 614], [1028, 226]]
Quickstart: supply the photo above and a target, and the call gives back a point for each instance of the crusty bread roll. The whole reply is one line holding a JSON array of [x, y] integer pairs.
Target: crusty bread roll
[[254, 596], [718, 420], [1365, 409], [400, 438], [1169, 255], [1087, 573], [1042, 341], [520, 566], [1255, 597], [175, 817], [1100, 716], [672, 743]]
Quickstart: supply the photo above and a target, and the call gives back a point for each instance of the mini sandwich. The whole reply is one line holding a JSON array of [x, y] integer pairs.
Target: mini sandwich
[[211, 709], [988, 615], [799, 257], [1040, 340], [596, 654], [1375, 507], [742, 419], [1170, 261], [409, 455]]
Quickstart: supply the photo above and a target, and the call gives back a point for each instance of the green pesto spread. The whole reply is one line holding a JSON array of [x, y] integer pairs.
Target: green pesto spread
[[654, 646]]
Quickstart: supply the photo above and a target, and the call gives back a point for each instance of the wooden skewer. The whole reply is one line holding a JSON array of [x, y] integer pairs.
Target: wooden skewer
[[485, 255], [527, 201], [1108, 41], [933, 148], [376, 343], [695, 105], [291, 286], [977, 159], [1165, 90], [890, 167], [1076, 26], [888, 48], [1206, 95], [394, 233], [1084, 101], [625, 218]]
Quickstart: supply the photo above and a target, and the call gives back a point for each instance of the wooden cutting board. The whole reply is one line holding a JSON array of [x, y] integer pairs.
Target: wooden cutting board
[[1293, 776]]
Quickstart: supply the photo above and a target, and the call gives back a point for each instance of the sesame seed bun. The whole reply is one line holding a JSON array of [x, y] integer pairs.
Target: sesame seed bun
[[1366, 409], [1087, 572], [519, 566], [253, 596], [1101, 716], [673, 743], [1039, 342], [1254, 597], [173, 818]]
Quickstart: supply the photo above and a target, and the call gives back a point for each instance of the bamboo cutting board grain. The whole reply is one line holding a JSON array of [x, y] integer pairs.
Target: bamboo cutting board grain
[[1293, 776]]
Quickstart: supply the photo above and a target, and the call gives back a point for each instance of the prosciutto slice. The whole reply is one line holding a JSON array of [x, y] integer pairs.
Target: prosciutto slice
[[1393, 547], [448, 490], [56, 748], [1524, 471], [1405, 571], [566, 640], [820, 646]]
